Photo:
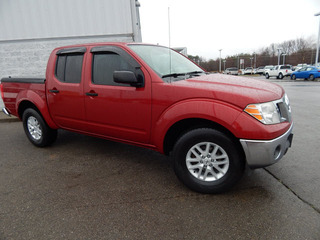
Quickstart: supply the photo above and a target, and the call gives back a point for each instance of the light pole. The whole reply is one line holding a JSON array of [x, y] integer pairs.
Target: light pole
[[279, 51], [224, 65], [317, 53], [220, 61], [238, 62], [284, 57], [251, 60]]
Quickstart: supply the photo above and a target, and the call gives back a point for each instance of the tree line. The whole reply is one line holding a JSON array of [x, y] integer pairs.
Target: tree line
[[293, 52]]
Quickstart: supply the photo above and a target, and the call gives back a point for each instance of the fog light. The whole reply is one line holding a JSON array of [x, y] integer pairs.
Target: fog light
[[277, 152]]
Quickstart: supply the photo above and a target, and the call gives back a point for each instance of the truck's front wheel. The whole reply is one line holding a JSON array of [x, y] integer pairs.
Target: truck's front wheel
[[207, 161], [267, 76], [36, 129]]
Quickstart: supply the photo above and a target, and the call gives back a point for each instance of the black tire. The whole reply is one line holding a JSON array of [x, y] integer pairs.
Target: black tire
[[311, 77], [267, 76], [217, 168], [281, 76], [293, 77], [36, 129]]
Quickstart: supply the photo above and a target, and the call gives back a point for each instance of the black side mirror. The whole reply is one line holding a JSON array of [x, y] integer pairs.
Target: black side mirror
[[127, 77]]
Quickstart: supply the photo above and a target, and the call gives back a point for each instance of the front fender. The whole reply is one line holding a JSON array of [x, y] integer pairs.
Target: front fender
[[38, 99], [216, 111]]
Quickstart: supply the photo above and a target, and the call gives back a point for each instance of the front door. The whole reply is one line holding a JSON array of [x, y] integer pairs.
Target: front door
[[119, 111]]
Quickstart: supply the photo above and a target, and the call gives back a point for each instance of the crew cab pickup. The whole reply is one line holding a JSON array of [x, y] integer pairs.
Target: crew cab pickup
[[212, 125], [279, 71]]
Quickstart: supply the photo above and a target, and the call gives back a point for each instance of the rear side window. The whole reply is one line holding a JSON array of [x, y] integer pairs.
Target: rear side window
[[285, 67], [69, 67]]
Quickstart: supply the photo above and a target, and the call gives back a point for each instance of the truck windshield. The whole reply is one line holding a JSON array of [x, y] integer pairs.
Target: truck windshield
[[167, 63]]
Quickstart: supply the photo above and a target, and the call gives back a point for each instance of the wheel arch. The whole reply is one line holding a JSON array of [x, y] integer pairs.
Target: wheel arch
[[183, 126], [43, 111]]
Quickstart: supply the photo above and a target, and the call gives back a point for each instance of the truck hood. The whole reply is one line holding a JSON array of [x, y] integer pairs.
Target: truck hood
[[239, 91]]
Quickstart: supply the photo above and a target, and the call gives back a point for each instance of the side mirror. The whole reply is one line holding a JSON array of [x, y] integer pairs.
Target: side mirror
[[127, 77]]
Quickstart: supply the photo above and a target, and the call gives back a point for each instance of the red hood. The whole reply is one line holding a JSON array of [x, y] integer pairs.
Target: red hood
[[239, 91]]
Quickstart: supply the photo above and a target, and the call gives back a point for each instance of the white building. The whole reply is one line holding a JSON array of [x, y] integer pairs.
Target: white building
[[31, 29]]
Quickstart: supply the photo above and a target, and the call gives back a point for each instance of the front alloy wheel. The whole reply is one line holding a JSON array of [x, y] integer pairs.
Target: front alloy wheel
[[267, 76], [208, 161]]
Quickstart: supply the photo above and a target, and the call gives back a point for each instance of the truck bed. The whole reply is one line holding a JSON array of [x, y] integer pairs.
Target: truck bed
[[12, 87]]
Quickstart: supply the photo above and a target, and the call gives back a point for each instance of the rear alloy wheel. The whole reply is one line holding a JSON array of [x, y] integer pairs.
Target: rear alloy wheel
[[36, 129], [280, 75], [207, 161], [293, 77], [311, 77]]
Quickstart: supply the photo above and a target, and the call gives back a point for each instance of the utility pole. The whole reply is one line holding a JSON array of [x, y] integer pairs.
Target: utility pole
[[317, 53], [220, 61], [279, 54], [284, 57]]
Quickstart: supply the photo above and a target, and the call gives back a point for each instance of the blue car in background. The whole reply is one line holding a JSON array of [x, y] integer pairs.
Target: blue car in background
[[310, 73]]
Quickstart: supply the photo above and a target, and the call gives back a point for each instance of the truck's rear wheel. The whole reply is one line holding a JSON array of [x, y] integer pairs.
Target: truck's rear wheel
[[36, 129], [281, 76], [207, 161]]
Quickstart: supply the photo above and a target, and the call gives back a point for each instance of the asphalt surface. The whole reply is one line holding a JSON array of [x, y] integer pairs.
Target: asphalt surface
[[88, 188]]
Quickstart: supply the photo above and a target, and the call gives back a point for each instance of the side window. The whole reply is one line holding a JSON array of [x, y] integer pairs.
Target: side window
[[69, 67], [104, 64]]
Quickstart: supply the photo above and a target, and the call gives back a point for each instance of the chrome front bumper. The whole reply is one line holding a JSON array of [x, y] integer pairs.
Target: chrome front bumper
[[260, 153]]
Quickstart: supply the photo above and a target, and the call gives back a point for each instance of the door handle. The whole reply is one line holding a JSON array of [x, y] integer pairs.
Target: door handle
[[92, 94], [54, 91]]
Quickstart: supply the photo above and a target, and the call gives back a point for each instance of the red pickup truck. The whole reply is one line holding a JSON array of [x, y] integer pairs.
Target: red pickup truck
[[151, 96]]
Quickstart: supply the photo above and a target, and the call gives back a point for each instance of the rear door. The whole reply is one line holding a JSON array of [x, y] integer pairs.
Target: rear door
[[116, 110], [65, 91]]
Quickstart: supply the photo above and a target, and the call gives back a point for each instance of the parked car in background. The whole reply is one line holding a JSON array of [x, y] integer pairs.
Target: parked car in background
[[299, 66], [260, 70], [279, 71], [232, 71], [266, 68], [248, 70], [310, 73]]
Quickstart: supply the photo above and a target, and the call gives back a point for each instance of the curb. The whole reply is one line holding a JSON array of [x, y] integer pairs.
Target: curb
[[5, 118]]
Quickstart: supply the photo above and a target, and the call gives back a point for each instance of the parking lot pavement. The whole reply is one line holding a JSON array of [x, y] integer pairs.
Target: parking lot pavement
[[88, 188], [300, 170]]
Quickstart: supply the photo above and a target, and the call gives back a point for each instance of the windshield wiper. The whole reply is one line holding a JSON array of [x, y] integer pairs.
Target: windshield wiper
[[175, 75], [195, 73]]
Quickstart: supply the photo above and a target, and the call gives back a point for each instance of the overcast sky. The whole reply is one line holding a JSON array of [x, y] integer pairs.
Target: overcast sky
[[235, 26]]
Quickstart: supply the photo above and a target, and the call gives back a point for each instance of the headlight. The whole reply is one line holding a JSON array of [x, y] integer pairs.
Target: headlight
[[267, 113]]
